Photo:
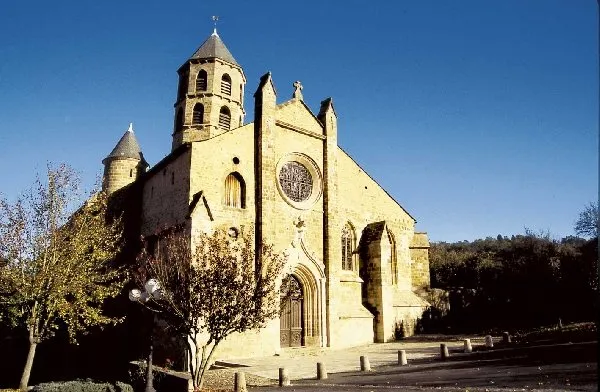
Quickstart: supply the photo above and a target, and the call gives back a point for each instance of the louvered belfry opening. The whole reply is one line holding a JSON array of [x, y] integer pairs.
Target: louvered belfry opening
[[225, 118], [235, 191], [198, 115], [201, 80], [226, 84]]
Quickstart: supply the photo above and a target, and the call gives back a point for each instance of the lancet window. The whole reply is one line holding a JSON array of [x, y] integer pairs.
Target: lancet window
[[348, 245]]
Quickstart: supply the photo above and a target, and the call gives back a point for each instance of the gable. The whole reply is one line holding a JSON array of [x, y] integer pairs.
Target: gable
[[199, 208], [294, 114]]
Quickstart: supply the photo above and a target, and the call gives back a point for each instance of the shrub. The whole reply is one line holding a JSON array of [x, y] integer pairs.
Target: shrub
[[82, 386]]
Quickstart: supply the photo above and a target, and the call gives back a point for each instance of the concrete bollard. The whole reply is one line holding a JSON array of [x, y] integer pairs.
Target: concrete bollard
[[489, 342], [506, 338], [321, 371], [468, 347], [365, 366], [402, 357], [284, 377], [239, 382], [444, 354]]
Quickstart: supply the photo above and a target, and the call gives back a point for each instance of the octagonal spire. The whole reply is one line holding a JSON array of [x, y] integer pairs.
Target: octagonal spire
[[214, 47]]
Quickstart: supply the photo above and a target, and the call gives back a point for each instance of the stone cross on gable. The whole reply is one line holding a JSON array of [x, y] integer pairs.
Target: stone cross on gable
[[298, 90]]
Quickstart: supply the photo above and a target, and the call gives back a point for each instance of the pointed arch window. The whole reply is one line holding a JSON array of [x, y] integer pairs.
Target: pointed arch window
[[226, 84], [179, 120], [393, 258], [225, 117], [235, 191], [198, 116], [348, 245], [201, 79]]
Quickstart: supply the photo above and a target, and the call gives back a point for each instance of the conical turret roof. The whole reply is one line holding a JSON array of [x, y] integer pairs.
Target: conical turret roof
[[214, 47], [127, 147]]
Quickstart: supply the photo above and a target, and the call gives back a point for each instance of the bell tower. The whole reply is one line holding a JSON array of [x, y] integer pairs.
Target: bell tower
[[210, 94]]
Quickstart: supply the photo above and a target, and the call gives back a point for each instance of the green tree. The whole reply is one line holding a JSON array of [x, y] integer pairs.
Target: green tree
[[588, 222], [56, 260], [210, 289]]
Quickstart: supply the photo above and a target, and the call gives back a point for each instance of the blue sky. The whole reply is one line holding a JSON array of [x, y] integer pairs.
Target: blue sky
[[479, 117]]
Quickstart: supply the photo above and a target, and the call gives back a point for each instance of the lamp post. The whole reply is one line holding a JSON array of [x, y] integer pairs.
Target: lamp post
[[151, 291]]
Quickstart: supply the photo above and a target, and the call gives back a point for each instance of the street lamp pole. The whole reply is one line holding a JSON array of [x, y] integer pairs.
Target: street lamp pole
[[151, 290]]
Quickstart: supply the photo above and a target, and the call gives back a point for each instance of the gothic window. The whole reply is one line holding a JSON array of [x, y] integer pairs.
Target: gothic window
[[179, 121], [348, 244], [235, 191], [393, 258], [224, 118], [198, 116], [226, 84], [183, 86], [201, 81]]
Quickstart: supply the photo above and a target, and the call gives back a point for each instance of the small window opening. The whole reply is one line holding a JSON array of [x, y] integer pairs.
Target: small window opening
[[172, 178]]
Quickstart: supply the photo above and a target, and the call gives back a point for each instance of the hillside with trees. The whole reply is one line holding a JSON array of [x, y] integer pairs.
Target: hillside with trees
[[520, 281]]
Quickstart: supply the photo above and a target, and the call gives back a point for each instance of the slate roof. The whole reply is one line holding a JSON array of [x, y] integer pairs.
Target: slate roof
[[214, 47], [127, 147]]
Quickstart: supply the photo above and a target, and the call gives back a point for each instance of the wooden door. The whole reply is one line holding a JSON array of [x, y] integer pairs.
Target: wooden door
[[291, 313]]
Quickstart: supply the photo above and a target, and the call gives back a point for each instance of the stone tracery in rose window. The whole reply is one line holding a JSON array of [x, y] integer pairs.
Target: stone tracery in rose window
[[296, 181]]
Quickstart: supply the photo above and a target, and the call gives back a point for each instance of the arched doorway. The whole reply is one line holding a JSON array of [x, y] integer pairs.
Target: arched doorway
[[292, 311]]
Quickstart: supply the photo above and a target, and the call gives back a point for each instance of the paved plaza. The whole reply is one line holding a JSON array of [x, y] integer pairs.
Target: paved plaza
[[562, 367]]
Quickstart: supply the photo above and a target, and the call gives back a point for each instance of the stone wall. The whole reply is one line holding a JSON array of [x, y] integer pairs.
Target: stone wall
[[166, 194], [120, 172], [419, 253]]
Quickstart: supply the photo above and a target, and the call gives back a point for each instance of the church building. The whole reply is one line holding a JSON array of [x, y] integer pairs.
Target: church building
[[354, 260]]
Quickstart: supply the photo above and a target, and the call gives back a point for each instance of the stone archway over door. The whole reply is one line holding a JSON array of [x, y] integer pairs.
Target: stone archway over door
[[292, 313]]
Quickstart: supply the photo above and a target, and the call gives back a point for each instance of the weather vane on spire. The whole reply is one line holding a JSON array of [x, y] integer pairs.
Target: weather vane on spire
[[215, 19]]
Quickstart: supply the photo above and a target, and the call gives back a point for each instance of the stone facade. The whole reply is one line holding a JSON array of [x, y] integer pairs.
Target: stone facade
[[350, 246]]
